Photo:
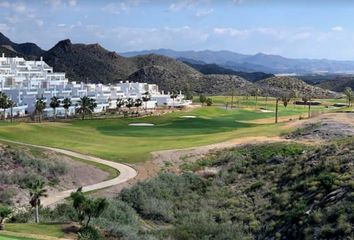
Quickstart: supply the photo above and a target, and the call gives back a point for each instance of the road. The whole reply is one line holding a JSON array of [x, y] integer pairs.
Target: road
[[125, 173]]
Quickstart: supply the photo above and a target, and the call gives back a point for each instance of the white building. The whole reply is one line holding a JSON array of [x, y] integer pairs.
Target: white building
[[25, 81]]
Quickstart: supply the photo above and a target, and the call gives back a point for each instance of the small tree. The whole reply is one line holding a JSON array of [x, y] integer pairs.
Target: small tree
[[37, 191], [307, 100], [349, 95], [173, 96], [66, 105], [202, 99], [4, 104], [277, 99], [4, 213], [120, 103], [256, 93], [129, 103], [11, 105], [40, 106], [146, 97], [87, 208], [138, 102], [54, 104], [209, 102]]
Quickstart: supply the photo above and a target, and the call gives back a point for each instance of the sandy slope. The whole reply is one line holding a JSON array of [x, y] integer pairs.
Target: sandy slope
[[125, 173]]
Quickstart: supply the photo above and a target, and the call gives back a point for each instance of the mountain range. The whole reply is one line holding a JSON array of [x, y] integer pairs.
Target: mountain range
[[259, 62], [93, 63]]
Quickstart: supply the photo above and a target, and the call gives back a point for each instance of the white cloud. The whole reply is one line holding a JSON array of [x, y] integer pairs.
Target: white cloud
[[116, 8], [337, 29], [56, 4], [61, 25], [233, 32], [181, 5], [39, 22], [204, 12]]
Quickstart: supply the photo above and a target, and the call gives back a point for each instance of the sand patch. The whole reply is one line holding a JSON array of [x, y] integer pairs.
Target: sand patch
[[142, 124], [188, 116], [266, 111]]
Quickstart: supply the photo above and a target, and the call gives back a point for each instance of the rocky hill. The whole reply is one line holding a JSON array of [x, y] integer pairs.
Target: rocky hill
[[26, 49], [338, 83], [277, 85], [216, 69]]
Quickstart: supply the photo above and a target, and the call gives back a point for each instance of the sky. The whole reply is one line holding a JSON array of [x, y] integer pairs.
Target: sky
[[291, 28]]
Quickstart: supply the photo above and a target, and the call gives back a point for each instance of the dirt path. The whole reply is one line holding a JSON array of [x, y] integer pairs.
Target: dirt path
[[125, 173]]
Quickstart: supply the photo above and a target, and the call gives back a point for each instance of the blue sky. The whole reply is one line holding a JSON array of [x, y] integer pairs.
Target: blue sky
[[299, 28]]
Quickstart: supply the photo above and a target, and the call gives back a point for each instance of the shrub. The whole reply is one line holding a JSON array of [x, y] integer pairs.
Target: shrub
[[89, 233]]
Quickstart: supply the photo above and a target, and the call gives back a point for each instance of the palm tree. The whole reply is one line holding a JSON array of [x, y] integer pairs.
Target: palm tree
[[4, 213], [146, 97], [120, 103], [37, 191], [256, 93], [40, 106], [349, 94], [54, 103], [129, 103], [11, 105], [173, 96], [66, 105], [276, 108], [4, 103], [138, 102], [86, 106], [307, 100]]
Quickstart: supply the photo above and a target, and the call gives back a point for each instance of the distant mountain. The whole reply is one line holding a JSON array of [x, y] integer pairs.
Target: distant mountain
[[216, 69], [93, 63], [27, 49], [258, 62]]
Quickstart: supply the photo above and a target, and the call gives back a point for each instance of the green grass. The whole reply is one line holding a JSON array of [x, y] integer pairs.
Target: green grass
[[115, 140], [51, 230], [9, 237]]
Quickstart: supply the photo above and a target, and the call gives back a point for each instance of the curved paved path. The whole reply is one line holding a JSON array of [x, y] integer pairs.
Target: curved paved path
[[125, 173]]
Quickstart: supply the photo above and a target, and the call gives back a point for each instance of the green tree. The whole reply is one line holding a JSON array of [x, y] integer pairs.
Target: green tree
[[285, 99], [120, 103], [11, 105], [129, 103], [54, 104], [202, 99], [4, 213], [86, 106], [277, 99], [37, 191], [209, 101], [307, 100], [256, 93], [349, 95], [66, 105], [87, 208], [146, 97], [39, 107], [173, 96], [4, 104], [138, 102]]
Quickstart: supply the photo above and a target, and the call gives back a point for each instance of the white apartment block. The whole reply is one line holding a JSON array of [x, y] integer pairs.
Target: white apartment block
[[25, 81]]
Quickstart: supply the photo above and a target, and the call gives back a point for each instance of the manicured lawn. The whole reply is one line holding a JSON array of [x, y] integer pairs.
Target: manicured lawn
[[6, 237], [114, 139], [52, 230]]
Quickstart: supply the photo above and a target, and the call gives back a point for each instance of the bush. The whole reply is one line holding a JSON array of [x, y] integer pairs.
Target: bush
[[89, 233]]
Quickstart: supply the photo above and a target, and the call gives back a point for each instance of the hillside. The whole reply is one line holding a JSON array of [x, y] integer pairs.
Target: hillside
[[338, 84], [277, 85], [257, 62], [216, 69], [26, 49]]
